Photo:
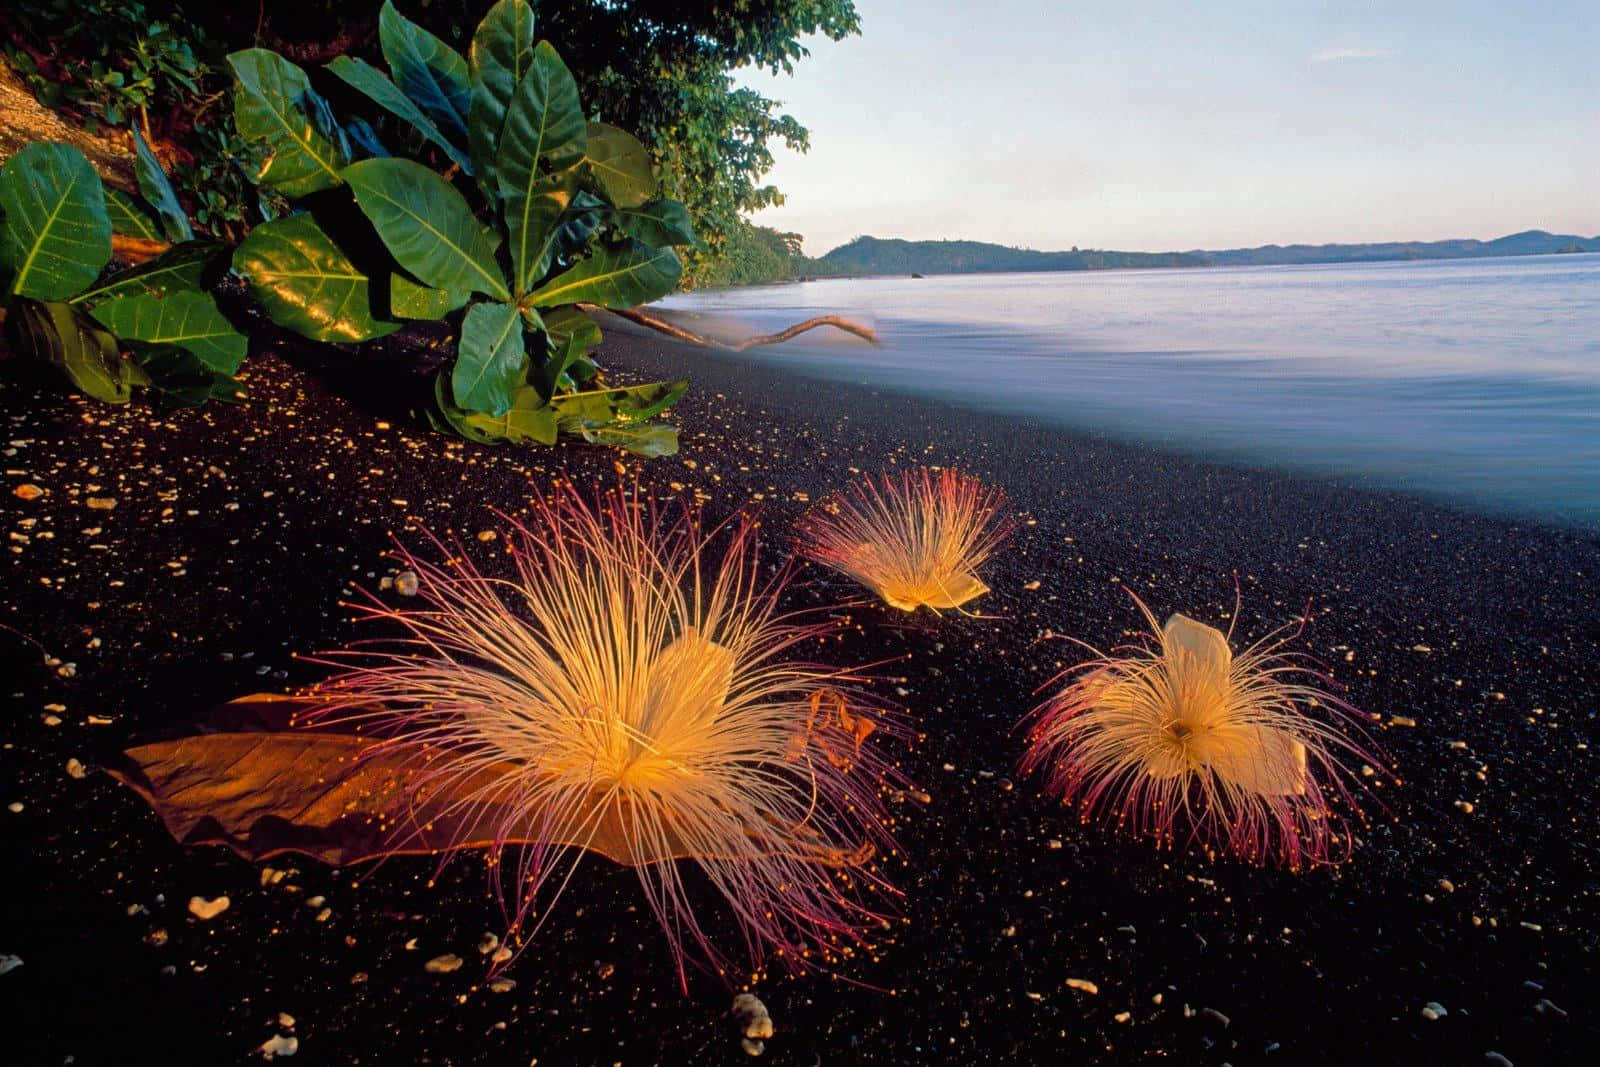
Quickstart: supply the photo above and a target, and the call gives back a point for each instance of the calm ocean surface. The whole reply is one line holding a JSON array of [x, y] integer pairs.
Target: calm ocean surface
[[1476, 381]]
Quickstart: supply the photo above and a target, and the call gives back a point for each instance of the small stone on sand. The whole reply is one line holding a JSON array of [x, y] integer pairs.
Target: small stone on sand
[[754, 1021], [201, 908], [279, 1045]]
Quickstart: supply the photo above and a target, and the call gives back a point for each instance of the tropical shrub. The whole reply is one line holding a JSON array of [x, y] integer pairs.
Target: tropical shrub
[[115, 63], [537, 214], [153, 326]]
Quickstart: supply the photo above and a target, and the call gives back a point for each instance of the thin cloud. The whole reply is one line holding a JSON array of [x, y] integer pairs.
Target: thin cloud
[[1339, 55]]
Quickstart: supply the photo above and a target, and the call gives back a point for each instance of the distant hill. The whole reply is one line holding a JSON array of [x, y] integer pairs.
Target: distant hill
[[875, 255]]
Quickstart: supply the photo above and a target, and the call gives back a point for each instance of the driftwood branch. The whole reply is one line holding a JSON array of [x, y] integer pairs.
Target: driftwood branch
[[644, 318]]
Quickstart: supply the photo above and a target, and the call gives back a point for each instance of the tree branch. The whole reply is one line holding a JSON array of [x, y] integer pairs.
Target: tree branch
[[679, 333]]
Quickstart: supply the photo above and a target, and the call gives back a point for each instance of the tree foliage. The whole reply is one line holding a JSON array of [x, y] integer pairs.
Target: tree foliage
[[153, 327], [656, 67], [536, 213]]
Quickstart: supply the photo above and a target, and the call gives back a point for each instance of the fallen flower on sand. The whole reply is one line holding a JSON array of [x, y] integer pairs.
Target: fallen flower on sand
[[622, 695], [1180, 727], [915, 538]]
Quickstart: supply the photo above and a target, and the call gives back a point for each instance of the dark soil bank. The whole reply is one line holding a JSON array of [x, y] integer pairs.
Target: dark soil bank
[[235, 533]]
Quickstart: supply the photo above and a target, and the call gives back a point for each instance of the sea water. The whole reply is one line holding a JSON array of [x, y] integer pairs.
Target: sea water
[[1476, 381]]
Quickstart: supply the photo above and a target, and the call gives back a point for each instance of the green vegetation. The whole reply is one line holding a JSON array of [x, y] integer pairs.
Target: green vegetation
[[754, 255], [538, 213], [660, 70], [152, 327], [874, 255]]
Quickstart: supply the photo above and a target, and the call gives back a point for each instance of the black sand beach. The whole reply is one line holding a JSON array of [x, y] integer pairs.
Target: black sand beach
[[235, 533]]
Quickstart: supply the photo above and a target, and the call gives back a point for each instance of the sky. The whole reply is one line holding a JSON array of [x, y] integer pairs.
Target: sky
[[1154, 127]]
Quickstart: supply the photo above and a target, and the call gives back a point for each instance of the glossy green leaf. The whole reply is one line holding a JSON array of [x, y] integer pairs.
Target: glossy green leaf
[[620, 165], [306, 283], [130, 217], [429, 71], [501, 53], [408, 300], [529, 420], [180, 267], [650, 439], [632, 404], [375, 85], [55, 237], [550, 377], [448, 416], [533, 216], [68, 339], [491, 359], [158, 193], [624, 276], [427, 226], [269, 108], [566, 323], [543, 122], [189, 320], [660, 222]]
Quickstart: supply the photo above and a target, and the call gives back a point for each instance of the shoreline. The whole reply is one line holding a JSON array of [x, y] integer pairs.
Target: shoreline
[[930, 273], [236, 532]]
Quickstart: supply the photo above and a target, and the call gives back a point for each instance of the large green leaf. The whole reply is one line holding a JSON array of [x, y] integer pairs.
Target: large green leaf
[[528, 420], [449, 416], [660, 222], [491, 359], [376, 86], [409, 300], [427, 226], [67, 338], [501, 53], [610, 407], [429, 71], [306, 283], [189, 320], [623, 276], [565, 323], [56, 236], [649, 439], [269, 107], [180, 267], [533, 215], [620, 165], [158, 193], [543, 122], [130, 217]]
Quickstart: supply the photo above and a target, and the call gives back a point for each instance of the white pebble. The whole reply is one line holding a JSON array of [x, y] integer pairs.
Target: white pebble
[[279, 1045], [1433, 1011], [9, 963]]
